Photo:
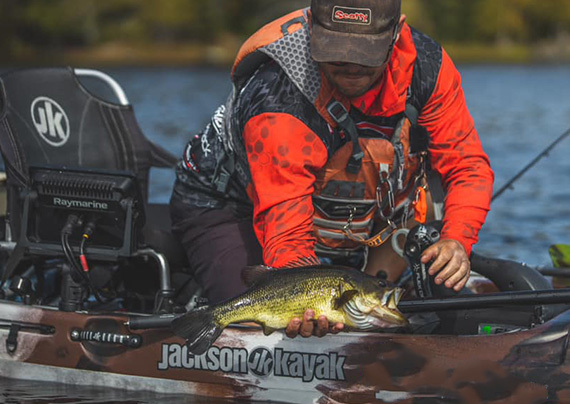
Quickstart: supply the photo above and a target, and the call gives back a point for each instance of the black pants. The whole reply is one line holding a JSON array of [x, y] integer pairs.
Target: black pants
[[218, 245]]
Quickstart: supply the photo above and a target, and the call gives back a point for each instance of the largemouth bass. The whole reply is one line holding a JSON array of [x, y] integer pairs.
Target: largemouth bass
[[343, 295]]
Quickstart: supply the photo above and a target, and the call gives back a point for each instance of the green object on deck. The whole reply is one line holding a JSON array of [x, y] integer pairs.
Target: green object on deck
[[560, 255]]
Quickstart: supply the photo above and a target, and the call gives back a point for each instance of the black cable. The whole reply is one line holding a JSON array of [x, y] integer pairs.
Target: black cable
[[82, 246], [72, 222], [88, 232], [69, 254], [73, 263]]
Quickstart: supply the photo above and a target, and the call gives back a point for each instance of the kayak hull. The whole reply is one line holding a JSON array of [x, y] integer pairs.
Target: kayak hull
[[526, 365]]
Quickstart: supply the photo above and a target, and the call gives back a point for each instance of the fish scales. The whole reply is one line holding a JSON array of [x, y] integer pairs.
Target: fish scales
[[277, 296], [287, 293]]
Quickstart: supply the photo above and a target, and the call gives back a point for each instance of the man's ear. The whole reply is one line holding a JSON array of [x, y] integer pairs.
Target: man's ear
[[401, 25]]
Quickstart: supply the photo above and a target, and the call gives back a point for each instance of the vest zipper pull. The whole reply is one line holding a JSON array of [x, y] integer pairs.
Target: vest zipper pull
[[420, 205]]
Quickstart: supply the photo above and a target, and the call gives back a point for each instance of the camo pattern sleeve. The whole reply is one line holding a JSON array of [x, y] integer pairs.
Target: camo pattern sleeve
[[283, 155], [456, 153]]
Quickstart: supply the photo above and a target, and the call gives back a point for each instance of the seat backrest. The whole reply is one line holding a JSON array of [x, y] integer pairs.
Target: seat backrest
[[49, 118]]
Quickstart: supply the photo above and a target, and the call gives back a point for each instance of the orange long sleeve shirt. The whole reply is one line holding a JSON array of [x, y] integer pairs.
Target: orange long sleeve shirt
[[284, 154]]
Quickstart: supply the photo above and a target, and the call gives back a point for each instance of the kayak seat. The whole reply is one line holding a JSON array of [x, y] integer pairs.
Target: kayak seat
[[58, 117]]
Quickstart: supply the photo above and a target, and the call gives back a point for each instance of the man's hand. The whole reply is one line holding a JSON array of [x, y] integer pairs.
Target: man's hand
[[451, 263], [307, 327]]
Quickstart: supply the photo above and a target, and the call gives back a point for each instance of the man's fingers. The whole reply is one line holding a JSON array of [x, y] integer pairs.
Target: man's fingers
[[322, 326], [461, 283], [292, 329], [338, 327], [440, 262], [307, 325], [459, 279], [430, 253], [450, 268], [450, 264]]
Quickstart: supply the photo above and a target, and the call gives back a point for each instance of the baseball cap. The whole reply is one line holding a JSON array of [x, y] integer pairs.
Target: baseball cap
[[353, 31]]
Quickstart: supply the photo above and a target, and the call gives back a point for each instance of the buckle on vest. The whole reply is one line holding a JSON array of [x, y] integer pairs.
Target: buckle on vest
[[355, 163], [337, 111]]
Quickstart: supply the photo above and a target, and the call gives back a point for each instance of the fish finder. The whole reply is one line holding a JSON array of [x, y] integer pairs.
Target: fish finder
[[105, 205]]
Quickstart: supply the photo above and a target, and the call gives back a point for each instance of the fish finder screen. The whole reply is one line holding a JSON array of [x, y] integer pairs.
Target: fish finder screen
[[108, 203]]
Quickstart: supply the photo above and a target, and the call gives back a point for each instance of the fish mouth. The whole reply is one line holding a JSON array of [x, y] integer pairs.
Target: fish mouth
[[388, 314], [383, 314]]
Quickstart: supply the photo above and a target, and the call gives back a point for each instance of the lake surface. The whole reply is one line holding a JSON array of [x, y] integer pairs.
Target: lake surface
[[31, 392], [518, 110]]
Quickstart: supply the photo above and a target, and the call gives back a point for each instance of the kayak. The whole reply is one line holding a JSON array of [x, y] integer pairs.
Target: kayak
[[507, 364]]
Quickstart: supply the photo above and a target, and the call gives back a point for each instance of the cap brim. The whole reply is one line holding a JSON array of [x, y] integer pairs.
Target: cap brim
[[363, 49]]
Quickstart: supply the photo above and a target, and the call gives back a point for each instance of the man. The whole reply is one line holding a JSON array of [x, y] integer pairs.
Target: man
[[336, 115]]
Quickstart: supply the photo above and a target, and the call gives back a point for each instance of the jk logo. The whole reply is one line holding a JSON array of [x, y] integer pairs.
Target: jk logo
[[260, 362], [50, 121]]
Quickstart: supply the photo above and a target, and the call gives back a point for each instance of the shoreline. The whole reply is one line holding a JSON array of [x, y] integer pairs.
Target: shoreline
[[222, 55]]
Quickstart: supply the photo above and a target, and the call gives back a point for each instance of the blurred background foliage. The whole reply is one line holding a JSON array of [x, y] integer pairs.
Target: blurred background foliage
[[200, 31]]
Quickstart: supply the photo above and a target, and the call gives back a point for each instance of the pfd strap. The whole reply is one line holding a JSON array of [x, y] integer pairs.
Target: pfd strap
[[399, 169], [372, 242], [340, 115], [412, 113]]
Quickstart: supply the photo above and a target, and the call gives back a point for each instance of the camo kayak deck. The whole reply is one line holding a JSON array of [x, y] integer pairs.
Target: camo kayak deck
[[99, 350]]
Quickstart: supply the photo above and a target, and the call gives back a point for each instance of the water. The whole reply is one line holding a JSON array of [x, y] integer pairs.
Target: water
[[32, 392], [518, 110]]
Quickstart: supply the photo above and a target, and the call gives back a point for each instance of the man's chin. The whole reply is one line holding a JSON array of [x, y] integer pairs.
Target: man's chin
[[352, 92], [353, 87]]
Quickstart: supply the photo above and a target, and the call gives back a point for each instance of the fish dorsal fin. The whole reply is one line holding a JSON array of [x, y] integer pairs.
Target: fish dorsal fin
[[344, 298], [253, 274]]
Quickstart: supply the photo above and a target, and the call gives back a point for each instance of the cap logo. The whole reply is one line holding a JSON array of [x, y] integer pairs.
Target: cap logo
[[351, 15]]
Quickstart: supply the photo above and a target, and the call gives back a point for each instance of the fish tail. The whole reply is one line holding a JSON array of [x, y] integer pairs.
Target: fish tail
[[199, 327]]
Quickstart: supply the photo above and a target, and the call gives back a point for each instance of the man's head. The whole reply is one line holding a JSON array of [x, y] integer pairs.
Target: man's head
[[354, 31], [353, 40]]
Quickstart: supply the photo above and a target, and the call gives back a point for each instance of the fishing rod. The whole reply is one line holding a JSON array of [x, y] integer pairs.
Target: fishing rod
[[464, 302], [543, 154], [559, 272], [459, 302]]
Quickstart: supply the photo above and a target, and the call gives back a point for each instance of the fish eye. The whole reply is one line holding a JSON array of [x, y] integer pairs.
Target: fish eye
[[382, 283]]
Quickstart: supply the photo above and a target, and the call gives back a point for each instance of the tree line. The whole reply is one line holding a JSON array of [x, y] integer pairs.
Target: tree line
[[51, 25]]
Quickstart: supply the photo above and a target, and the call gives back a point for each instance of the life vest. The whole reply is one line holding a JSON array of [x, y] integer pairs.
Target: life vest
[[367, 179], [347, 204]]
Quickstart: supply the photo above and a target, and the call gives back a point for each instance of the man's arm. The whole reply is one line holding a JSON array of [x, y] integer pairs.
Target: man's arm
[[456, 153], [283, 155]]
